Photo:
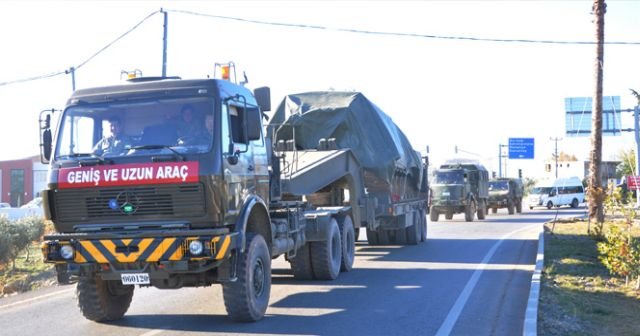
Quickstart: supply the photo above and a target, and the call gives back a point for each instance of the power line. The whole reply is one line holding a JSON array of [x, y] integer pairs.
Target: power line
[[85, 61], [400, 34]]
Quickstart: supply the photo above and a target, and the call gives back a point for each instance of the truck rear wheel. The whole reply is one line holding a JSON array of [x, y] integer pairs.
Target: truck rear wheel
[[433, 215], [510, 208], [301, 264], [247, 298], [101, 300], [470, 211], [326, 256], [348, 244], [519, 206], [482, 210]]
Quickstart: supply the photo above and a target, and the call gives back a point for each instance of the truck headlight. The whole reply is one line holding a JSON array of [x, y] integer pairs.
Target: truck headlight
[[66, 252], [196, 247]]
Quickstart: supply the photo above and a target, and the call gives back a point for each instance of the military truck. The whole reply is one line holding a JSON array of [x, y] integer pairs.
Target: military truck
[[459, 186], [172, 212], [506, 193]]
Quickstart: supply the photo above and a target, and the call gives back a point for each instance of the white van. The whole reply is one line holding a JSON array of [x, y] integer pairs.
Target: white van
[[563, 191]]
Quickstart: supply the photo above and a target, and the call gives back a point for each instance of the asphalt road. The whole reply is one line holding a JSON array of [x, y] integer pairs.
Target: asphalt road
[[469, 278]]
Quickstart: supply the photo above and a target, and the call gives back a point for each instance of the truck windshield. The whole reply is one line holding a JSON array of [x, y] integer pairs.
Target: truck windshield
[[141, 127], [498, 185], [449, 177]]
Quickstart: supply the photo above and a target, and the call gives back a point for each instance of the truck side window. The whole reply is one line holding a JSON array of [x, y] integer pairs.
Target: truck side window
[[226, 135]]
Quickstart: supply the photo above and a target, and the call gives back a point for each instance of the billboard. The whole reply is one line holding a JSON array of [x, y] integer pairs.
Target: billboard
[[578, 115]]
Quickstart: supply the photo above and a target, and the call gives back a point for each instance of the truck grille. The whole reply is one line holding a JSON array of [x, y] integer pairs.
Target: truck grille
[[143, 201]]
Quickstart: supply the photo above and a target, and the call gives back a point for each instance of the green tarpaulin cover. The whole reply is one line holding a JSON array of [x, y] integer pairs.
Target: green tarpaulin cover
[[354, 121]]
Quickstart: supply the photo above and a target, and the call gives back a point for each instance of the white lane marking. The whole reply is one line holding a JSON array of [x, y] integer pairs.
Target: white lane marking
[[454, 313], [154, 332], [37, 298]]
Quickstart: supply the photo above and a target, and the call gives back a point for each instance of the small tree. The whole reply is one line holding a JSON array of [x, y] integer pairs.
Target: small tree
[[34, 227]]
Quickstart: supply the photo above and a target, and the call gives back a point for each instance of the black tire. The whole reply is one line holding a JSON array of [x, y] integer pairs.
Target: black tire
[[384, 237], [301, 264], [494, 210], [448, 215], [413, 232], [530, 208], [510, 208], [100, 300], [433, 215], [372, 238], [398, 236], [423, 226], [247, 298], [519, 206], [575, 203], [348, 244], [469, 211], [326, 256], [482, 210], [549, 205]]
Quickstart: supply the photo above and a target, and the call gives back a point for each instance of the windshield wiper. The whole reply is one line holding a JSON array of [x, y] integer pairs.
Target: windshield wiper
[[177, 154]]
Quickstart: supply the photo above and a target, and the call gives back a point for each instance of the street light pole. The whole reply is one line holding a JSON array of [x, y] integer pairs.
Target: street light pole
[[556, 153], [500, 156]]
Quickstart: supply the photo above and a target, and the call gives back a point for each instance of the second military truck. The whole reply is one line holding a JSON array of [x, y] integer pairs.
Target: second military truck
[[506, 193], [459, 186], [193, 208]]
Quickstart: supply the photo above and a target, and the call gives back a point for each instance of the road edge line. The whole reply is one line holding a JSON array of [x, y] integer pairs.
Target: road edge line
[[530, 327]]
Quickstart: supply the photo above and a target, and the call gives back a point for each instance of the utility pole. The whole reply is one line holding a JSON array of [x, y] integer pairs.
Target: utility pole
[[164, 43], [555, 155], [500, 156], [596, 192]]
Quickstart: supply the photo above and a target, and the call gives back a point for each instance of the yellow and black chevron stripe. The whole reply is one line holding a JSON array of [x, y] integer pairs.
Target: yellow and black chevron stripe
[[104, 251]]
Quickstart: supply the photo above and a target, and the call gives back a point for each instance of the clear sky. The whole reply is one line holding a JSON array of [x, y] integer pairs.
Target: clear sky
[[441, 92]]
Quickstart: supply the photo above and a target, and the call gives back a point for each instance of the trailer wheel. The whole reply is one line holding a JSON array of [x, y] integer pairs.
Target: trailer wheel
[[372, 237], [414, 232], [301, 264], [247, 298], [101, 300], [348, 244], [423, 227], [326, 256]]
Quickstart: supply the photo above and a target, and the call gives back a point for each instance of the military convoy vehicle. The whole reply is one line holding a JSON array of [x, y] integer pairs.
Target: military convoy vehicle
[[169, 213], [459, 186], [506, 193]]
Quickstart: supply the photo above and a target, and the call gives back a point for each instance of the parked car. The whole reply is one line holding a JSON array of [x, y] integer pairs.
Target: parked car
[[5, 205]]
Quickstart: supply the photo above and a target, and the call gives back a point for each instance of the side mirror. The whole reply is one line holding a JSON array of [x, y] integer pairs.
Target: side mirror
[[263, 98], [46, 138]]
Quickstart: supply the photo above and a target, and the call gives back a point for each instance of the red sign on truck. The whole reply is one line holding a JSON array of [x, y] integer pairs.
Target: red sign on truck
[[128, 174], [633, 182]]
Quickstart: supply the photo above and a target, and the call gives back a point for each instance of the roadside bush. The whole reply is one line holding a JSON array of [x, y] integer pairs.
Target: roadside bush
[[15, 237], [620, 253]]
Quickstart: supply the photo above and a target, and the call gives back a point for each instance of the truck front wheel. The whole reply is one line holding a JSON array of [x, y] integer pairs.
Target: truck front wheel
[[470, 211], [101, 300], [247, 298]]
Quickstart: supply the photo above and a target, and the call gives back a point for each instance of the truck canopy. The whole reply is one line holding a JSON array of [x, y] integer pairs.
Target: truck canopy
[[354, 121]]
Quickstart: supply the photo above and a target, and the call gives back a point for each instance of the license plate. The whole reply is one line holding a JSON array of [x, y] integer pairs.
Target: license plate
[[445, 193], [135, 279]]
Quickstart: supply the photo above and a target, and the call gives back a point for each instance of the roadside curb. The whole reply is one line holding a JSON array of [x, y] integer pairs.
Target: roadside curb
[[531, 316]]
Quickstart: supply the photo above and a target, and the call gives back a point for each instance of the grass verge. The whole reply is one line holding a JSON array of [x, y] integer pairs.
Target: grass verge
[[578, 296], [29, 274]]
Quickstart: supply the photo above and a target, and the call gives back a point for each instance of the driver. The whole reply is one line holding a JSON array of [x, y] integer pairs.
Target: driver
[[116, 143]]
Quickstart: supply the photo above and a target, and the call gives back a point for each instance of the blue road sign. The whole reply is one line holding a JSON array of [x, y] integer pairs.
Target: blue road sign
[[520, 148]]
